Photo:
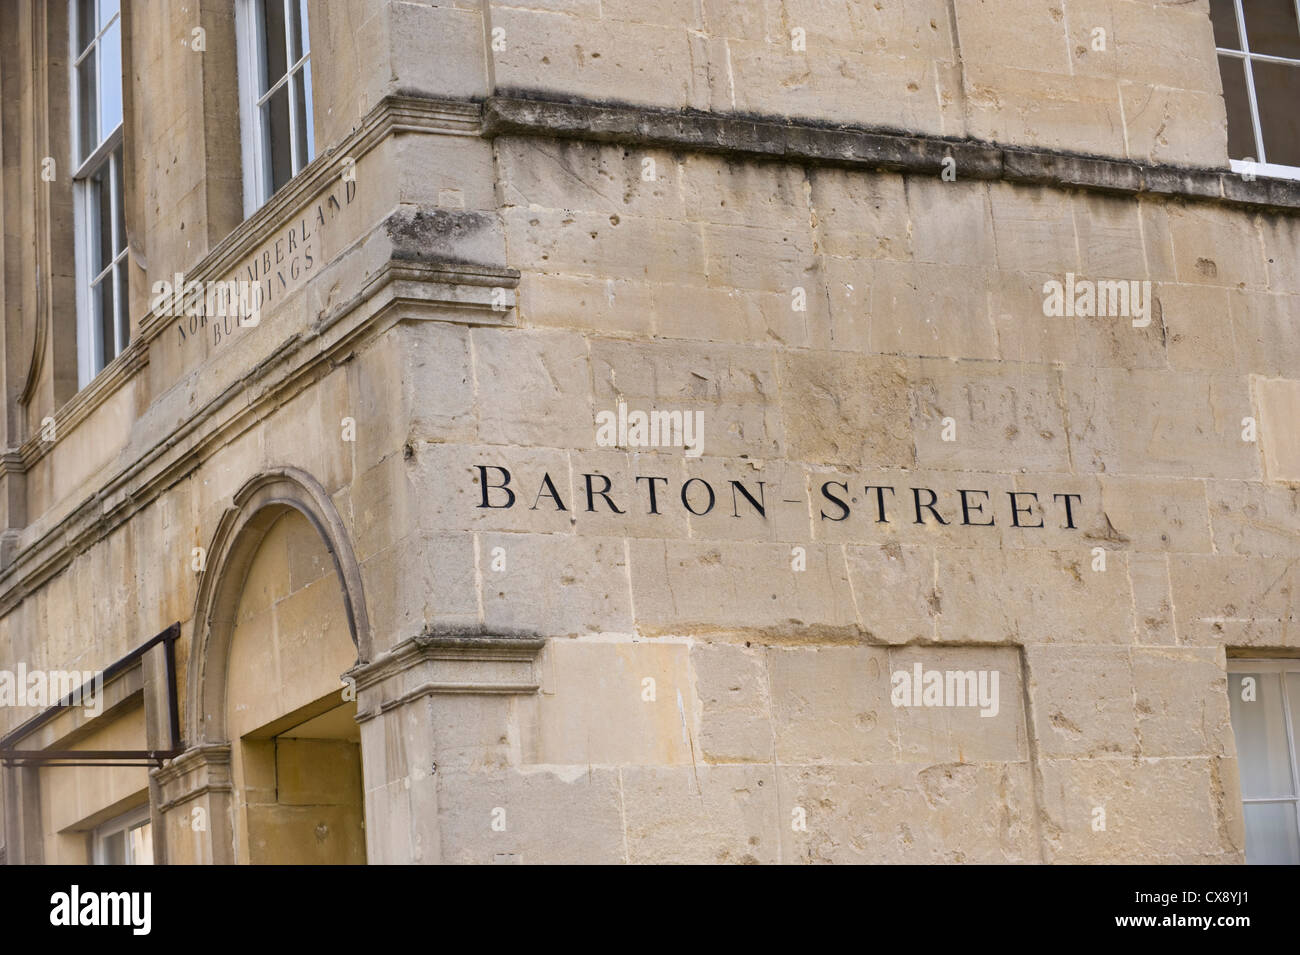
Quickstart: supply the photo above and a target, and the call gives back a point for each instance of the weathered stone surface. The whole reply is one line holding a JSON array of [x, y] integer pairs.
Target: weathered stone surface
[[830, 705], [702, 815], [946, 813], [826, 227], [843, 409], [735, 712], [1188, 818], [1279, 405]]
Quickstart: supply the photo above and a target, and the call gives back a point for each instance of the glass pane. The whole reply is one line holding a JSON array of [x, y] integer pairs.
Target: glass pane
[[296, 17], [1293, 699], [123, 314], [275, 127], [306, 138], [273, 32], [107, 10], [110, 78], [85, 23], [114, 849], [101, 221], [1241, 134], [1223, 14], [141, 842], [1277, 88], [87, 106], [105, 319], [119, 197], [1271, 28], [1260, 730], [1271, 836]]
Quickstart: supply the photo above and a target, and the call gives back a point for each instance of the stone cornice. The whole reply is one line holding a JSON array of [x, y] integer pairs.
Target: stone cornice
[[457, 662], [394, 114], [198, 770], [798, 141], [461, 290], [429, 646]]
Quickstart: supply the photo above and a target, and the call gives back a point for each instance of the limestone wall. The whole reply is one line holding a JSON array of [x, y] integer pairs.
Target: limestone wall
[[906, 461]]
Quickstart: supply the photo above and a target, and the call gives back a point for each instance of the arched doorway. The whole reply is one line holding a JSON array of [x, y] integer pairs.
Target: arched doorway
[[280, 617]]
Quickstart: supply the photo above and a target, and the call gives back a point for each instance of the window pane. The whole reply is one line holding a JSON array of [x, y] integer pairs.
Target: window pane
[[107, 10], [1260, 730], [1241, 134], [298, 43], [141, 843], [87, 105], [1271, 836], [275, 126], [101, 221], [1277, 88], [119, 196], [114, 848], [103, 297], [273, 23], [123, 315], [85, 23], [1223, 15], [1293, 698], [306, 138], [1271, 28], [110, 77]]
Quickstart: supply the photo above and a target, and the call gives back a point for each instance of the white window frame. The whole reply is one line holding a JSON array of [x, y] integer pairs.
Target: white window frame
[[255, 146], [89, 331], [1240, 665], [1259, 166], [123, 824]]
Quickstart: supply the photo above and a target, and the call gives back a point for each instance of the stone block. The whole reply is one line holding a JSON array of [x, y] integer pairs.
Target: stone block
[[931, 310], [1254, 520], [1030, 597], [997, 419], [1234, 601], [734, 386], [556, 584], [844, 409], [702, 815], [1180, 695], [1159, 423], [740, 586], [597, 708], [1083, 700], [547, 817], [1156, 811], [1279, 409], [979, 728], [534, 387], [945, 813], [831, 705], [894, 590], [735, 711]]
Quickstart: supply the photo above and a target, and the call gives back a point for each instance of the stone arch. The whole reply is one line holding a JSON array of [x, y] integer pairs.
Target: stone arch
[[255, 508]]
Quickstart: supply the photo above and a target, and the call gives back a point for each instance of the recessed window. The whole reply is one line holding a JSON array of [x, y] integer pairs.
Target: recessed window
[[1259, 59], [1264, 699], [275, 86], [103, 328], [127, 840]]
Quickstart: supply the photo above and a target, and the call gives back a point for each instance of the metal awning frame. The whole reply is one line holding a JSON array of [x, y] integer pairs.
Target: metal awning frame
[[104, 757]]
